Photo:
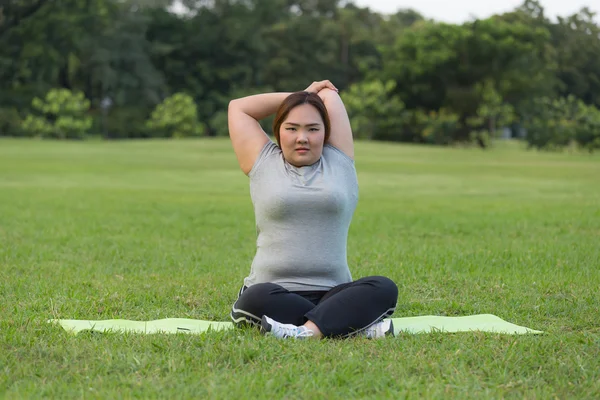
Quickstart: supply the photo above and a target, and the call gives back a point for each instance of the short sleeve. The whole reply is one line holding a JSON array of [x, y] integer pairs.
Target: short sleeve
[[339, 154], [270, 149]]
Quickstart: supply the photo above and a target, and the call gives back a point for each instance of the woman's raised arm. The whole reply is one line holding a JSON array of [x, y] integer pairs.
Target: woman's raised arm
[[341, 131], [247, 136]]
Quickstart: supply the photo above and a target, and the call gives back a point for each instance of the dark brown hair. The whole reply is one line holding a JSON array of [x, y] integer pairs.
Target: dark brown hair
[[297, 99]]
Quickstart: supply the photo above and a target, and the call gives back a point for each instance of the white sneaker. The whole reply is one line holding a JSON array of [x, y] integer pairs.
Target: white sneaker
[[379, 330], [283, 331]]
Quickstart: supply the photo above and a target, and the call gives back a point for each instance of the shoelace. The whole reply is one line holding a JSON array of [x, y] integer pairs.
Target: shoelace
[[305, 333], [296, 332]]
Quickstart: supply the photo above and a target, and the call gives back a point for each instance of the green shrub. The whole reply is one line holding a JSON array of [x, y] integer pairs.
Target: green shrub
[[63, 116], [38, 127], [176, 117]]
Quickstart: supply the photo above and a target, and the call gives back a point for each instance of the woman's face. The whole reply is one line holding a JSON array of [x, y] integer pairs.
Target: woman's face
[[301, 136]]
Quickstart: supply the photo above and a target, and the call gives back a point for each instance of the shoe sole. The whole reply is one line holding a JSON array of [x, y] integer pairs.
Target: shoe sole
[[265, 326]]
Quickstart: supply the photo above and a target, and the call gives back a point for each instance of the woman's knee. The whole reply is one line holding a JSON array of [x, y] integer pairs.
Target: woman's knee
[[256, 296], [384, 286], [250, 305]]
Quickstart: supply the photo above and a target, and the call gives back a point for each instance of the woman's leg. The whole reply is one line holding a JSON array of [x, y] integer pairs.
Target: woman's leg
[[352, 307], [272, 300]]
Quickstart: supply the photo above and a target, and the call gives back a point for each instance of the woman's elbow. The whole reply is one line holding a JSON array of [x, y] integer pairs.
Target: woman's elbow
[[329, 95], [233, 104]]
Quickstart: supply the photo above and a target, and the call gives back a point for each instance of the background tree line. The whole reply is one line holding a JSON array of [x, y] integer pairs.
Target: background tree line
[[134, 69]]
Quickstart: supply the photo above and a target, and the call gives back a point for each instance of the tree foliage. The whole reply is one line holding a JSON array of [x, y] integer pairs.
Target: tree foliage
[[562, 122], [374, 111], [404, 77]]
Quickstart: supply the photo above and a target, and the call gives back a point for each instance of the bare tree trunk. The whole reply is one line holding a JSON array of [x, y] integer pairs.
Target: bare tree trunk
[[63, 74], [492, 127]]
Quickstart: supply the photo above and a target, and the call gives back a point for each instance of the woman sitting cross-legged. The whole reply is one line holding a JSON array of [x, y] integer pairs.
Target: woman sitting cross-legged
[[304, 189]]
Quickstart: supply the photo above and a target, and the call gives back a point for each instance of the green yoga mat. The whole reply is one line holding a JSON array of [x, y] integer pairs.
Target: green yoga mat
[[423, 324]]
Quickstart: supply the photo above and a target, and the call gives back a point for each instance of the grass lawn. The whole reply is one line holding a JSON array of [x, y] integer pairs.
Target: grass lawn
[[156, 229]]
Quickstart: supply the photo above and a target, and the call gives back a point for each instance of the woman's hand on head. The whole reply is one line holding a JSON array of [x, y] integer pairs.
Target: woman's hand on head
[[317, 86]]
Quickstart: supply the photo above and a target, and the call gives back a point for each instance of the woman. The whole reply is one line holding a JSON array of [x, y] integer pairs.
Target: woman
[[304, 190]]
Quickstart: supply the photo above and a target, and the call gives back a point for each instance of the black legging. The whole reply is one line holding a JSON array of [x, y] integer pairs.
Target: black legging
[[342, 311]]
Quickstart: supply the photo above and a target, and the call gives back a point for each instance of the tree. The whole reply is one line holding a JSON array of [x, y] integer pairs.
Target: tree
[[440, 66], [96, 46], [435, 82], [552, 123], [299, 51], [12, 13], [577, 42], [435, 127], [374, 111], [492, 113]]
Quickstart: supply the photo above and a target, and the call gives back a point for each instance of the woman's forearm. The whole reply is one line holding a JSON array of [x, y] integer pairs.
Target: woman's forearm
[[259, 106]]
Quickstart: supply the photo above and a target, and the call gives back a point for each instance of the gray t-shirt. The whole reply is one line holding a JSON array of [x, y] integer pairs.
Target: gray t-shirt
[[302, 219]]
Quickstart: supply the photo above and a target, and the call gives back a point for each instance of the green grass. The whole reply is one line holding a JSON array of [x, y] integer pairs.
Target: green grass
[[157, 229]]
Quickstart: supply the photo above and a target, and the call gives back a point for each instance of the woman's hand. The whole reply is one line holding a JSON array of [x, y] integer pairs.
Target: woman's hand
[[316, 87]]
